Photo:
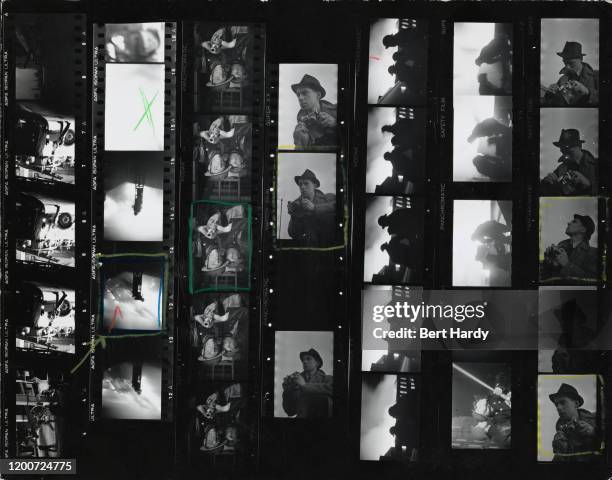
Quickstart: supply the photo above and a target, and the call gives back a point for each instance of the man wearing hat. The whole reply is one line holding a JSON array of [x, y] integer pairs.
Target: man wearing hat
[[316, 120], [576, 437], [400, 222], [579, 82], [308, 394], [312, 214], [572, 258], [577, 173]]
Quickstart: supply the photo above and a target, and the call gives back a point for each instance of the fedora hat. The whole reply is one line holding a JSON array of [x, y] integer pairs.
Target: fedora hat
[[568, 138], [308, 175], [571, 50], [587, 222], [310, 82], [568, 391], [314, 354]]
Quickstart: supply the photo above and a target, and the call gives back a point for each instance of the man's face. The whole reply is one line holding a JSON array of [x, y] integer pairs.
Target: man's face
[[574, 63], [307, 188], [308, 98], [309, 363], [575, 227], [572, 152], [567, 408]]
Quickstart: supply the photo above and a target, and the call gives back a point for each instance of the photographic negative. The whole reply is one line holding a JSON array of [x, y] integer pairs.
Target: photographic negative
[[222, 152], [568, 330], [223, 73], [397, 62], [132, 380], [482, 59], [395, 358], [134, 107], [133, 292], [40, 413], [482, 243], [393, 252], [220, 335], [482, 139], [135, 42], [45, 317], [221, 246], [569, 147], [482, 405], [44, 136], [133, 197], [569, 62], [396, 150], [306, 210], [220, 425], [307, 107], [576, 258], [570, 425], [45, 232], [302, 389], [390, 412]]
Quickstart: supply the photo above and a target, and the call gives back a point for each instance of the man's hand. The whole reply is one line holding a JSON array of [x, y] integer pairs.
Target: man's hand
[[560, 443], [301, 135], [562, 258], [579, 179], [307, 205], [585, 428], [326, 120], [579, 87], [551, 178]]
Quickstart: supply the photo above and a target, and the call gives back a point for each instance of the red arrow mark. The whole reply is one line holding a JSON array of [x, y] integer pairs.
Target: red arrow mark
[[117, 311]]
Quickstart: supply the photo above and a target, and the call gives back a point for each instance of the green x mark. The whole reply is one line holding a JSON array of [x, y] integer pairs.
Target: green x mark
[[147, 109]]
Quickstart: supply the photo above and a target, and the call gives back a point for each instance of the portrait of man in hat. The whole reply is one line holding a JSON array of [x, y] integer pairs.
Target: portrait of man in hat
[[316, 119], [579, 82], [577, 170], [308, 394], [576, 428], [574, 257], [313, 213]]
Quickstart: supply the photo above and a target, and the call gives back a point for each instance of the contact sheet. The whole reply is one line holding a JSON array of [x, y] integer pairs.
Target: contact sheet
[[339, 239]]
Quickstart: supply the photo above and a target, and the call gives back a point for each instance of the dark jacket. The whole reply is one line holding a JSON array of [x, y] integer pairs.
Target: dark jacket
[[315, 134], [587, 167], [568, 441], [582, 262], [314, 228], [402, 223], [313, 400], [588, 77]]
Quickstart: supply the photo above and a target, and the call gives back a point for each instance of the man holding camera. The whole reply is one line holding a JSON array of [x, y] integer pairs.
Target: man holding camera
[[316, 120]]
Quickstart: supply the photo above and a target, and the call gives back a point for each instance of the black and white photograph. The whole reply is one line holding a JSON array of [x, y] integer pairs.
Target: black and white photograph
[[44, 137], [482, 243], [569, 62], [568, 329], [482, 58], [45, 317], [481, 406], [396, 150], [388, 355], [303, 374], [219, 335], [221, 246], [223, 67], [397, 62], [134, 107], [482, 138], [132, 380], [569, 249], [45, 234], [308, 107], [41, 411], [569, 418], [306, 210], [135, 42], [394, 248], [390, 413], [569, 151], [222, 153], [220, 420], [133, 293], [133, 197]]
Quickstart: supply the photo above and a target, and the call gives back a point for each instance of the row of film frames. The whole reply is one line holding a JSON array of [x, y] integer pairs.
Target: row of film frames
[[222, 149], [397, 256], [305, 333], [45, 241], [133, 196]]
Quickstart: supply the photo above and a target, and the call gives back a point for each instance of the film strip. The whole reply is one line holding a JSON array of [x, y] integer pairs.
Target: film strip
[[223, 145], [45, 219], [133, 263]]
